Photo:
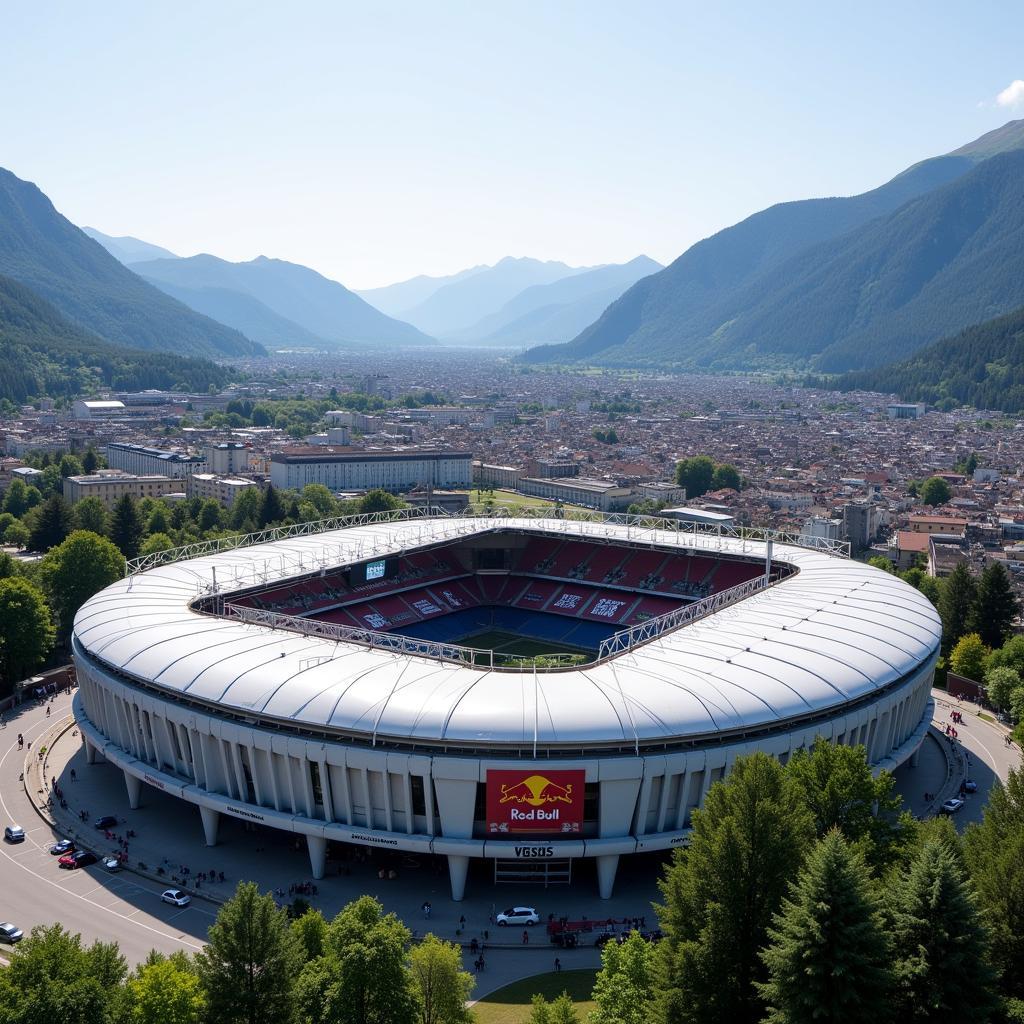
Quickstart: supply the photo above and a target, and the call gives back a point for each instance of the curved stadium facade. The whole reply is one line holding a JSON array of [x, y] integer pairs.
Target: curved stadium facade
[[529, 691]]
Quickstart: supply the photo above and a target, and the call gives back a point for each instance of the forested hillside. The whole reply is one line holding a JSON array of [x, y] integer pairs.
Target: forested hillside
[[982, 366], [41, 353]]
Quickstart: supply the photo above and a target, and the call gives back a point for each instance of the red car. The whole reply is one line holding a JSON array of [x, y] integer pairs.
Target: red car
[[78, 859]]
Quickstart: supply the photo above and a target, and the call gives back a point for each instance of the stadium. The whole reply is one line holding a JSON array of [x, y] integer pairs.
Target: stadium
[[517, 693]]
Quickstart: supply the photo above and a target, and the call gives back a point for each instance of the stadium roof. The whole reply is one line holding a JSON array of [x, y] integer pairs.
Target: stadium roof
[[830, 634]]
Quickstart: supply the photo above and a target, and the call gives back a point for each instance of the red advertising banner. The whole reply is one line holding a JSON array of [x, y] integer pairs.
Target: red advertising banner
[[527, 801]]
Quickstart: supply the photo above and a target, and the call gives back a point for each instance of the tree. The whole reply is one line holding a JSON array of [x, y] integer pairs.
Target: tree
[[210, 514], [364, 978], [726, 475], [248, 963], [53, 977], [320, 496], [17, 535], [720, 894], [1010, 655], [159, 520], [883, 563], [956, 603], [246, 507], [75, 570], [91, 514], [310, 932], [378, 501], [935, 491], [156, 542], [70, 465], [840, 791], [52, 525], [26, 631], [1001, 682], [166, 990], [16, 498], [271, 507], [994, 850], [995, 606], [443, 986], [626, 984], [828, 957], [90, 461], [559, 1011], [941, 960], [696, 475], [126, 526], [968, 657]]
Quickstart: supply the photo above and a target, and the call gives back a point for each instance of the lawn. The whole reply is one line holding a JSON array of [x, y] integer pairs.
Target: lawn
[[511, 1004], [508, 498]]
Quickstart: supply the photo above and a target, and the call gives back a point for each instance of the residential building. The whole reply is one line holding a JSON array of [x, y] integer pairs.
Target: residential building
[[604, 495], [487, 475], [906, 411], [111, 485], [227, 459], [220, 488], [662, 490]]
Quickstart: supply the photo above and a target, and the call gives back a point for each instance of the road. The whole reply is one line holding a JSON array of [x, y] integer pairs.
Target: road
[[99, 905]]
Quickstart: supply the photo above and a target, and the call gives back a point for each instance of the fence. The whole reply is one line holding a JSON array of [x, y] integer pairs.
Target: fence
[[569, 521]]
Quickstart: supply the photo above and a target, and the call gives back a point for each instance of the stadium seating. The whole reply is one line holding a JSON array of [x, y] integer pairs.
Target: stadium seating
[[731, 574], [603, 565]]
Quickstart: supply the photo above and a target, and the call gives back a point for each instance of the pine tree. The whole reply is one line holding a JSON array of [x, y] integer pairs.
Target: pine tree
[[720, 894], [940, 945], [955, 605], [90, 461], [52, 524], [827, 960], [271, 507], [126, 526], [995, 606], [995, 855]]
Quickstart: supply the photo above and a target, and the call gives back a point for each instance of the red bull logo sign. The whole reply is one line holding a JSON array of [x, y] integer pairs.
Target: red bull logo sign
[[537, 802]]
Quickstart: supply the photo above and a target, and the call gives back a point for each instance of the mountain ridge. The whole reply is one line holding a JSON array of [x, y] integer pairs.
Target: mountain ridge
[[56, 260]]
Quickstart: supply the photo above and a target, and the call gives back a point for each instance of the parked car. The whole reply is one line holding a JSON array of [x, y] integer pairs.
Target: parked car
[[951, 806], [112, 863], [107, 821], [176, 897], [518, 915], [14, 834], [61, 847], [10, 933], [78, 859]]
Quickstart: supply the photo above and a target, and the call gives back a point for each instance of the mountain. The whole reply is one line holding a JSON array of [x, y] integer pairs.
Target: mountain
[[764, 292], [129, 250], [462, 303], [397, 299], [43, 354], [560, 310], [981, 366], [327, 311], [60, 263], [245, 314]]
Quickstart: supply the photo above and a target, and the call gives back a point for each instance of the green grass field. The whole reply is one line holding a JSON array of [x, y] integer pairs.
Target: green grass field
[[508, 498], [500, 642], [511, 1004]]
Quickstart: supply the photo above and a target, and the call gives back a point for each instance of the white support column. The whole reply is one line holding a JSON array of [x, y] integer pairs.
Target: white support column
[[458, 868], [92, 755], [317, 854], [915, 757], [211, 819], [134, 786], [606, 868]]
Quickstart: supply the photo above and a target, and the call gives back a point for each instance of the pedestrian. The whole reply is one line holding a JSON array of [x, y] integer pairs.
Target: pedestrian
[[462, 922], [558, 964], [73, 778], [526, 937], [47, 710]]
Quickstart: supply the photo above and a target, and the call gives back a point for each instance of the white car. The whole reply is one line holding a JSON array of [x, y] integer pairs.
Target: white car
[[14, 834], [518, 915], [952, 806], [176, 897], [112, 863]]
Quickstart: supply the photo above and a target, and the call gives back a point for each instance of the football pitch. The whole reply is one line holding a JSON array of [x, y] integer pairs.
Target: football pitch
[[502, 642]]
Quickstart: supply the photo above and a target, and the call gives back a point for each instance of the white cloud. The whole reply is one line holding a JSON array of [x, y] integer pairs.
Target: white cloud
[[1012, 95]]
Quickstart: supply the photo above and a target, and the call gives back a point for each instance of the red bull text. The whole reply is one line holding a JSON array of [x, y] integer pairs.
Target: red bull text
[[535, 802]]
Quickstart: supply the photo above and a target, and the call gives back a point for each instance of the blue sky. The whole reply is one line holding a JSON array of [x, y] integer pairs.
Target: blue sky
[[377, 141]]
